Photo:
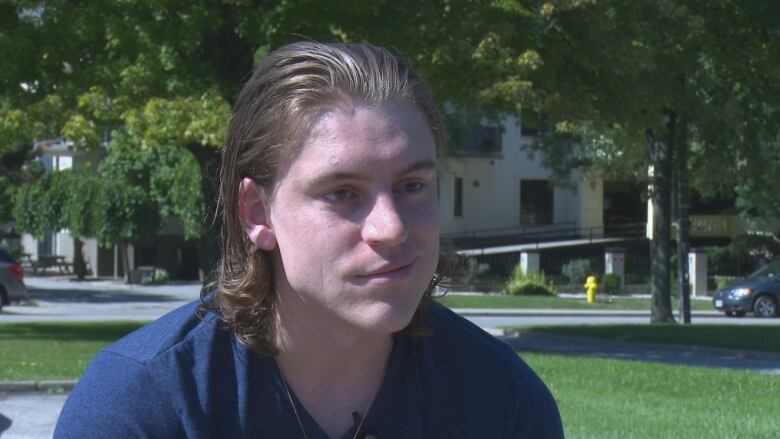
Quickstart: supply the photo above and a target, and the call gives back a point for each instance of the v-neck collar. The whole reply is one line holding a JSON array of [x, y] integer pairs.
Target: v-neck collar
[[378, 409]]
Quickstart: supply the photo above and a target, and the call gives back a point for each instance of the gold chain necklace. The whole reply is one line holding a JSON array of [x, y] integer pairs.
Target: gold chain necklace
[[295, 409]]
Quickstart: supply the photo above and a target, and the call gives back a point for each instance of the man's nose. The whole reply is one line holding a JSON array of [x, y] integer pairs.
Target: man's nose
[[384, 223]]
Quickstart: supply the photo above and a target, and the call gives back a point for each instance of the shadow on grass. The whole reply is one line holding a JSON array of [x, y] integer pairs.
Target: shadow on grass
[[751, 337], [61, 331]]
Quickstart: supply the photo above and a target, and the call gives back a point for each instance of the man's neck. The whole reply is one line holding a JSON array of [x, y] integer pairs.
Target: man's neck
[[333, 368]]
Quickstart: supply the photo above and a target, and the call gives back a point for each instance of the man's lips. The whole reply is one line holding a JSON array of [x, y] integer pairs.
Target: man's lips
[[389, 270]]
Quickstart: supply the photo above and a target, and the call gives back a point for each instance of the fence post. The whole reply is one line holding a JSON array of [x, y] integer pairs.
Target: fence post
[[529, 262], [614, 262], [697, 271]]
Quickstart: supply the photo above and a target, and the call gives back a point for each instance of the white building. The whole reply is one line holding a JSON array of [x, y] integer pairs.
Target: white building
[[492, 186]]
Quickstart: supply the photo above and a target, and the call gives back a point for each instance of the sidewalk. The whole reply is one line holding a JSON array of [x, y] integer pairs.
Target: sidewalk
[[511, 312]]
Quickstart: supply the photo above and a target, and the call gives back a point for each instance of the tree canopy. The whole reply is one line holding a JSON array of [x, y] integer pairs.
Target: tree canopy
[[616, 84]]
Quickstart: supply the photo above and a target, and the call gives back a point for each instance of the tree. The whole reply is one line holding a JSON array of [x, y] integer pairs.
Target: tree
[[150, 74], [141, 188], [642, 81], [59, 200]]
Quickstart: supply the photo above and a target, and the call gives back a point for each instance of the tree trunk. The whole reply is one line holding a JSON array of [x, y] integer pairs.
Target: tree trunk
[[683, 222], [660, 246], [79, 265], [125, 262], [208, 249]]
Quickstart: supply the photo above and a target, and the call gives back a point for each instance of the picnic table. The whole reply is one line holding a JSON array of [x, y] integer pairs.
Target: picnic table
[[51, 261]]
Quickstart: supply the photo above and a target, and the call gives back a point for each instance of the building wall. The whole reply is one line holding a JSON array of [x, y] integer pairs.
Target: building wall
[[491, 188], [591, 204], [30, 246]]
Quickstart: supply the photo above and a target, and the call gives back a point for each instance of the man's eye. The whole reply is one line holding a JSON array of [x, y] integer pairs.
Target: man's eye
[[413, 187], [340, 195]]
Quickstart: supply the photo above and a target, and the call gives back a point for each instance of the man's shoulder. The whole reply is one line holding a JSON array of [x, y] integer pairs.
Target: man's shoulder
[[450, 331], [185, 328], [487, 376]]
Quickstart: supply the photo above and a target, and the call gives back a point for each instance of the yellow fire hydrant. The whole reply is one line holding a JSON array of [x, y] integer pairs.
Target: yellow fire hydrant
[[591, 286]]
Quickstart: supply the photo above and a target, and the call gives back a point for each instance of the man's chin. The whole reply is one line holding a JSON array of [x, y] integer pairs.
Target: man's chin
[[387, 318]]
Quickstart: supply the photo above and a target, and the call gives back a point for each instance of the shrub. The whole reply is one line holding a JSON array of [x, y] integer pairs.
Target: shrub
[[720, 282], [476, 271], [521, 284], [160, 276], [611, 283], [743, 255], [577, 270]]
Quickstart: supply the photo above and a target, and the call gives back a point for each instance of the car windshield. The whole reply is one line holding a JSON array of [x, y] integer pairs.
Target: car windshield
[[767, 270]]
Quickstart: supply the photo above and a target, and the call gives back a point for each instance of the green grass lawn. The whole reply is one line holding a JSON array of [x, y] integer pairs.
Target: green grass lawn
[[37, 351], [501, 301], [754, 337], [600, 398]]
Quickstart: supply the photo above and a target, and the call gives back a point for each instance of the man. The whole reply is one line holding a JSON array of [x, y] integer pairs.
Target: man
[[322, 325]]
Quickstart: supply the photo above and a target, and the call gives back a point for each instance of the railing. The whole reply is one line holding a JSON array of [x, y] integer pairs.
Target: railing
[[530, 234]]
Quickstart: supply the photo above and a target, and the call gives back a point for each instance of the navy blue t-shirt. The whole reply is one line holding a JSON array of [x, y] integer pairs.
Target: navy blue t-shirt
[[185, 376]]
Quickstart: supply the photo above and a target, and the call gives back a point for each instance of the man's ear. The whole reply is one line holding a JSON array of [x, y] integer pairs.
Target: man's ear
[[254, 214]]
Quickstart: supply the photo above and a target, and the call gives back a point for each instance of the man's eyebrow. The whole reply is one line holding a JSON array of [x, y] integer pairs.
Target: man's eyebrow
[[339, 175], [419, 166]]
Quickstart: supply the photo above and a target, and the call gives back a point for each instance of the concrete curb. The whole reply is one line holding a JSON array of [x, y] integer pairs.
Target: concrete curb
[[47, 386]]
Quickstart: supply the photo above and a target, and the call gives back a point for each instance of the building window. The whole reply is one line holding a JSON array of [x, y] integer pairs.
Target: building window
[[458, 211], [482, 140], [536, 202], [529, 123]]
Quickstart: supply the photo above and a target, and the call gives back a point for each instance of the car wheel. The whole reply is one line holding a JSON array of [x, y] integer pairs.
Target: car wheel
[[739, 313], [729, 313], [3, 297], [765, 306]]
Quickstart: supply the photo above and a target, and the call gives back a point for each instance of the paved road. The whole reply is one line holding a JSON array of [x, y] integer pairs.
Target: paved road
[[62, 299], [59, 298]]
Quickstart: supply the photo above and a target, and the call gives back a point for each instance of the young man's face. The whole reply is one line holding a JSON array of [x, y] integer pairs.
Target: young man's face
[[355, 217]]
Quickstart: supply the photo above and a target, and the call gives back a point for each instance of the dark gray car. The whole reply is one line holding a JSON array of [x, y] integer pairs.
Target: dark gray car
[[758, 293], [12, 286]]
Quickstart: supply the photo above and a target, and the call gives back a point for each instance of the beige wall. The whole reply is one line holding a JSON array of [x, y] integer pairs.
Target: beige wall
[[491, 188], [591, 204]]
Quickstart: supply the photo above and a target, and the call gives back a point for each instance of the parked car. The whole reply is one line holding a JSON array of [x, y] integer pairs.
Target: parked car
[[758, 293], [12, 286]]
